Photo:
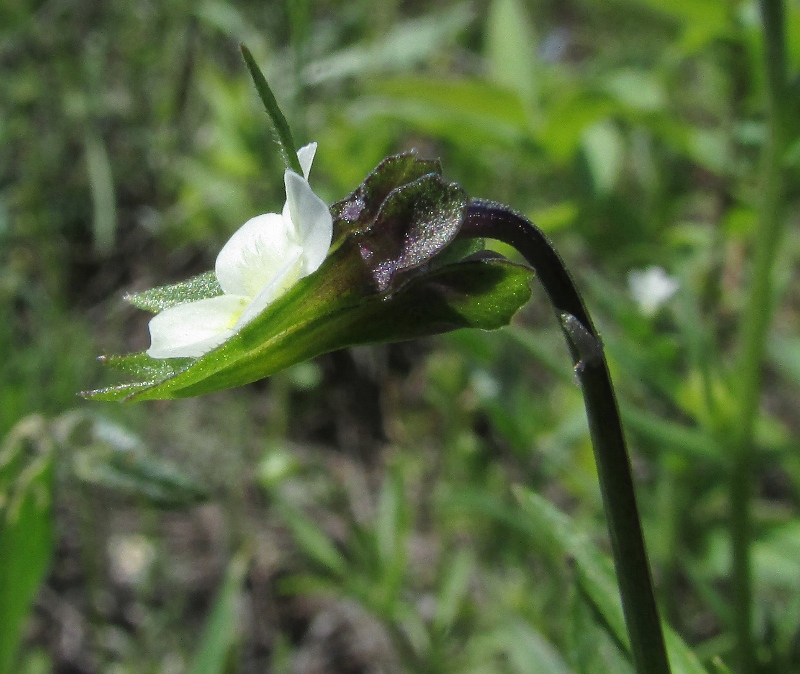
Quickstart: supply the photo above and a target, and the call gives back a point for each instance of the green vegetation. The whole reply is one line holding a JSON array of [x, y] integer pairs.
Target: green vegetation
[[430, 506]]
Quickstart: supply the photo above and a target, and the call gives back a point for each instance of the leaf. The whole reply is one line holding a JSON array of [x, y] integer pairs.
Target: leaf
[[525, 649], [283, 133], [108, 455], [101, 181], [775, 555], [314, 542], [604, 153], [135, 473], [510, 45], [637, 89], [468, 113], [142, 365], [592, 649], [408, 43], [453, 590], [221, 629], [784, 352], [388, 524], [562, 540], [701, 21], [555, 535], [531, 653], [26, 528]]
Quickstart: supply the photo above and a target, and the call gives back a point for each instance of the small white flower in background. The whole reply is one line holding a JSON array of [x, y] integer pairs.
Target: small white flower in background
[[262, 260], [651, 288]]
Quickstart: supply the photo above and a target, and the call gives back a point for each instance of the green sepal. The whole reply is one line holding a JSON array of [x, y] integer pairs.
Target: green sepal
[[191, 290], [142, 365]]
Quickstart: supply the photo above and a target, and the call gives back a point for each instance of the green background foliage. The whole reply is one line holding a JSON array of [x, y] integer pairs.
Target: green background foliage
[[362, 512]]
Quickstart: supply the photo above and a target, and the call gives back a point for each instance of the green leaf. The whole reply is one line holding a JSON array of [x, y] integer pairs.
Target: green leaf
[[523, 647], [531, 653], [407, 44], [784, 352], [388, 524], [135, 473], [26, 528], [142, 365], [454, 590], [108, 455], [591, 648], [221, 630], [637, 89], [567, 119], [701, 21], [283, 133], [313, 540], [197, 288], [468, 113], [604, 153], [510, 45], [562, 540], [101, 181], [556, 536]]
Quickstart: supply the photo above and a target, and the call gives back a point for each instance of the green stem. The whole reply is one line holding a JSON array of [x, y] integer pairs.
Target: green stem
[[755, 325], [494, 221]]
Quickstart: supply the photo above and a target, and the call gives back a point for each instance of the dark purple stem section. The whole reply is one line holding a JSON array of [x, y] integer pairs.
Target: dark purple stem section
[[494, 221]]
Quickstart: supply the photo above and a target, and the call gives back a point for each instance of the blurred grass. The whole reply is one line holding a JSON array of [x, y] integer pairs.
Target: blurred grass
[[132, 144]]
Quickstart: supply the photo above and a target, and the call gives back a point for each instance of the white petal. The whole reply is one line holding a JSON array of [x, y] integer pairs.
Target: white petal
[[255, 254], [306, 156], [284, 280], [194, 328], [311, 218]]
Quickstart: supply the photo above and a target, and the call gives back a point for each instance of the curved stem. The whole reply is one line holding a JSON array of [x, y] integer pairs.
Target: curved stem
[[494, 221]]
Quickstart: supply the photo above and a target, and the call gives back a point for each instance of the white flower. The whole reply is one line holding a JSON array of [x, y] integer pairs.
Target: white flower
[[651, 287], [263, 259]]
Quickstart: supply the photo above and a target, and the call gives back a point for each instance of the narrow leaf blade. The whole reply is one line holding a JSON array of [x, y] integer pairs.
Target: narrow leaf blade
[[282, 131]]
